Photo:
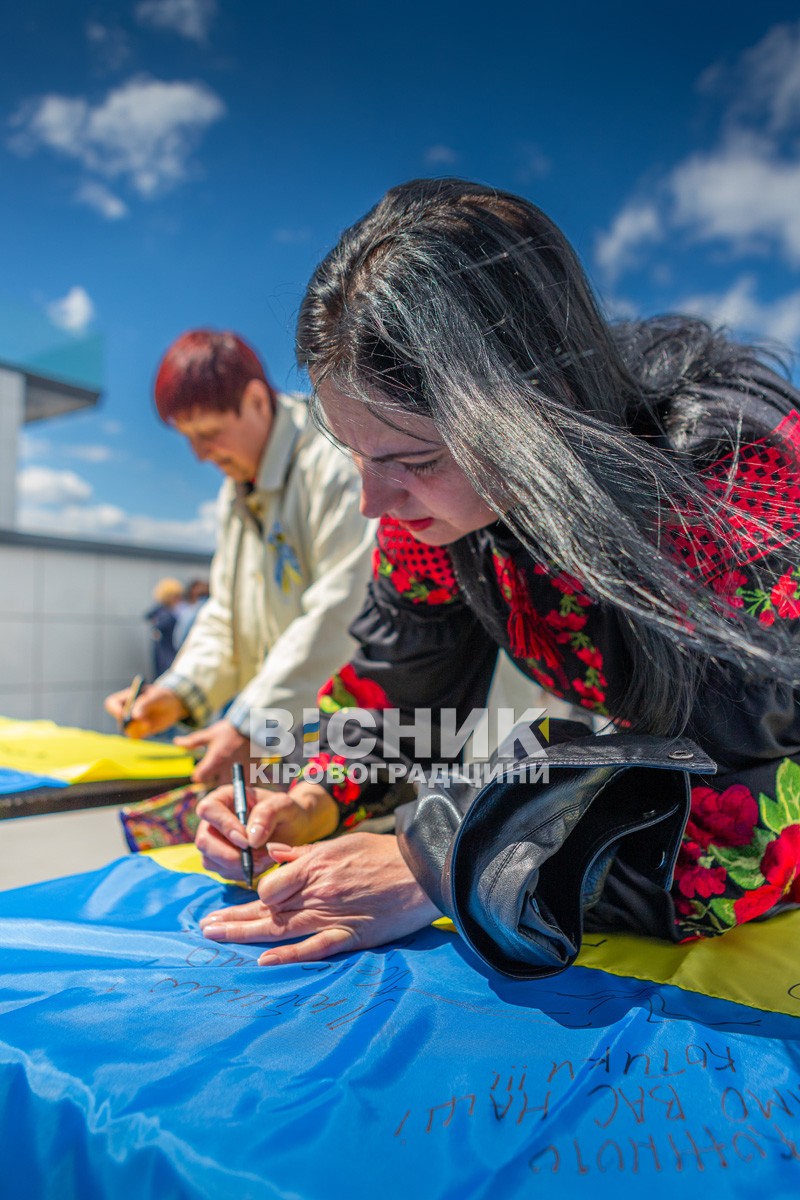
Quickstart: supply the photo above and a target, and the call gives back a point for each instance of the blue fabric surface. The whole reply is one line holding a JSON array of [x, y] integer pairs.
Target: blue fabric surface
[[139, 1060], [25, 781]]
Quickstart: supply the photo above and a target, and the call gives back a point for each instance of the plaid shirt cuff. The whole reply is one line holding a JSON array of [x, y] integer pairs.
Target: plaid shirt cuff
[[190, 694]]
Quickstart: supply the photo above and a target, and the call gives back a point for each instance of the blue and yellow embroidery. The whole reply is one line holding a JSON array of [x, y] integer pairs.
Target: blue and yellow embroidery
[[287, 567]]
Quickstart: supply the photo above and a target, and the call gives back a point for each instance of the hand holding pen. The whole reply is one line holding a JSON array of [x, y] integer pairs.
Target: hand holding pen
[[133, 695], [240, 808]]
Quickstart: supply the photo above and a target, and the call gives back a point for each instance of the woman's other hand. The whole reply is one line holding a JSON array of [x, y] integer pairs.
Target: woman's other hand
[[348, 894], [305, 814]]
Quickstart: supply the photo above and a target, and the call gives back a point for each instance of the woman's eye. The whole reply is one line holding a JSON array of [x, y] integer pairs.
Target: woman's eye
[[423, 468]]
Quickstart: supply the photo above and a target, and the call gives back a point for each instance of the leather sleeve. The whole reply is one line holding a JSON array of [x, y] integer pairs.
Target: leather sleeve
[[518, 864]]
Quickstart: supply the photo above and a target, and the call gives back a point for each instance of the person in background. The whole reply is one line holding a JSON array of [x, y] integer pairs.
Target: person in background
[[292, 558], [196, 596], [163, 618]]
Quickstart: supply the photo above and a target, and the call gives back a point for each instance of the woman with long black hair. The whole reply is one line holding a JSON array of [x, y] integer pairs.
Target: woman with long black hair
[[615, 507]]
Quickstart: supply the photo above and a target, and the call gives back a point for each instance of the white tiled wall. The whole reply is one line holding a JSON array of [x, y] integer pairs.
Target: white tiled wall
[[72, 628]]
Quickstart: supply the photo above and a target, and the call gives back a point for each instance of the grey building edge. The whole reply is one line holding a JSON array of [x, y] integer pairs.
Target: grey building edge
[[37, 541]]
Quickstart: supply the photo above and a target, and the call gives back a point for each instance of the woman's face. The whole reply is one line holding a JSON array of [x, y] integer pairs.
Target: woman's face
[[406, 473]]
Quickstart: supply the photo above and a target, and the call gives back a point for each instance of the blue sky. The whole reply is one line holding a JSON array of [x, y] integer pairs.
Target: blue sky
[[173, 163]]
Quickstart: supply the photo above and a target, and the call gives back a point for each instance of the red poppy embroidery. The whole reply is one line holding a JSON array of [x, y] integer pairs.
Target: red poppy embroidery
[[419, 573], [784, 597], [728, 586], [346, 689], [726, 818], [334, 767], [695, 878], [780, 867], [780, 602]]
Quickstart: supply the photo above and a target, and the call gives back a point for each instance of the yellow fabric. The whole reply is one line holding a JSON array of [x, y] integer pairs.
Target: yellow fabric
[[186, 859], [83, 756], [756, 964]]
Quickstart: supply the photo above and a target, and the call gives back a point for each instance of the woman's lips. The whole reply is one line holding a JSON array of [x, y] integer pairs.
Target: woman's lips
[[423, 524]]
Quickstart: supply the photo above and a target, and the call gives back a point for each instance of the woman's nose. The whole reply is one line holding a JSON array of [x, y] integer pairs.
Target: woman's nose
[[379, 493]]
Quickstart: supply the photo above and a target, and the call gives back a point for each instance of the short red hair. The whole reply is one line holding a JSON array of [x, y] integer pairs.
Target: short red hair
[[207, 371]]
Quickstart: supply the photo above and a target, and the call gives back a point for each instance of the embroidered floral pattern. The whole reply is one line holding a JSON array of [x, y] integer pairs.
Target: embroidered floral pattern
[[419, 573], [410, 587], [346, 689], [740, 856], [332, 769], [535, 640], [781, 602]]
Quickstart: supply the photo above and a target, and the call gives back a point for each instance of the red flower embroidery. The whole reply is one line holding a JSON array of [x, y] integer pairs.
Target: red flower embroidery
[[756, 903], [726, 818], [693, 879], [589, 694], [401, 580], [728, 584], [767, 617], [781, 862], [365, 693], [780, 866], [565, 624], [591, 656], [345, 789], [784, 597]]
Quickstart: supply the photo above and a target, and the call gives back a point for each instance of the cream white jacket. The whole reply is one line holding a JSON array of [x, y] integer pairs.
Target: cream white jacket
[[289, 574]]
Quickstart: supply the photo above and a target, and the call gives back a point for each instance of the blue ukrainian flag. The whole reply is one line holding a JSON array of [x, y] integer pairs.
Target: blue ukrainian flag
[[138, 1059]]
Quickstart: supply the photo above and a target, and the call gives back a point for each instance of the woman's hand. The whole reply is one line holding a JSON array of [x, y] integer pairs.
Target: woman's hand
[[349, 894], [305, 814]]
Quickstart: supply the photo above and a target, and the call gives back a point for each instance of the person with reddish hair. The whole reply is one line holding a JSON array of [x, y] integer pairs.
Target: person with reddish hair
[[291, 564]]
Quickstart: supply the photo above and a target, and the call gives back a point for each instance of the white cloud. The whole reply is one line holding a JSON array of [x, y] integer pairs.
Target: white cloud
[[637, 224], [111, 45], [94, 520], [97, 196], [143, 131], [73, 312], [189, 18], [742, 193], [740, 310], [766, 80], [39, 512], [91, 453], [30, 446], [43, 485], [440, 156]]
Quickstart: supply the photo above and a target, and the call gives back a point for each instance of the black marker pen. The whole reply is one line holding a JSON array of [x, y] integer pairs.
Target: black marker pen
[[240, 808]]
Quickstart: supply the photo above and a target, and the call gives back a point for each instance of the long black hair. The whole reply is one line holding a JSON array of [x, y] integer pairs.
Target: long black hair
[[468, 305]]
